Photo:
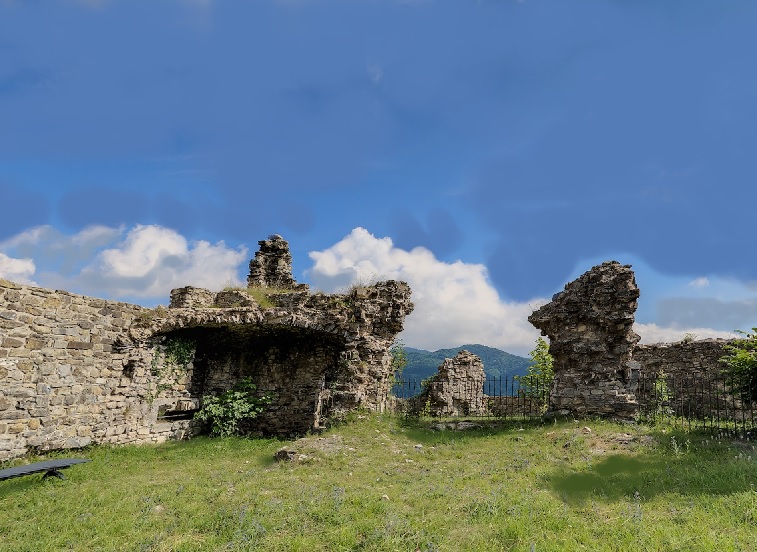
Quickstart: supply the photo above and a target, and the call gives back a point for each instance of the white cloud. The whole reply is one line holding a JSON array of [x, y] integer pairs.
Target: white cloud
[[652, 333], [702, 281], [454, 302], [17, 270], [152, 260], [146, 262]]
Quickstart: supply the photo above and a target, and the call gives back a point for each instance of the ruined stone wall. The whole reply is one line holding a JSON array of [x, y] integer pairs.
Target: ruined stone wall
[[457, 389], [272, 264], [591, 339], [601, 370], [76, 370], [694, 380], [318, 355], [684, 359], [64, 383]]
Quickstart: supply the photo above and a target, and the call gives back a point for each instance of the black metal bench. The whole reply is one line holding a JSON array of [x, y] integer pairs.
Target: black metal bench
[[50, 467]]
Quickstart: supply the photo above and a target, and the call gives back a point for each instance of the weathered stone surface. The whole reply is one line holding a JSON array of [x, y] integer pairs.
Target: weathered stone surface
[[590, 329], [457, 389], [189, 297], [694, 376], [319, 356], [86, 370], [272, 265]]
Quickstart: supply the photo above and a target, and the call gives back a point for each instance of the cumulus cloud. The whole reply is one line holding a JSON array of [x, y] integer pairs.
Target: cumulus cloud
[[152, 260], [143, 262], [454, 302], [17, 270]]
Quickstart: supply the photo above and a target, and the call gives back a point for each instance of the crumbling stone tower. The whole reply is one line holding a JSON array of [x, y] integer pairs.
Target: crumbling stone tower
[[457, 389], [272, 264], [590, 329]]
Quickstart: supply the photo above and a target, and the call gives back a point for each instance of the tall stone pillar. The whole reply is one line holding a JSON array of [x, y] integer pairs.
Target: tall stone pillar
[[272, 265], [590, 329]]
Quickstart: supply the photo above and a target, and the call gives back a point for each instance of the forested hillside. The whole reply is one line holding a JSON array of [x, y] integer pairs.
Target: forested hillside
[[422, 364]]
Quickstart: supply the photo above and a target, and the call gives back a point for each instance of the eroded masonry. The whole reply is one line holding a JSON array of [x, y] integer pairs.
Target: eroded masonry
[[601, 370], [77, 370]]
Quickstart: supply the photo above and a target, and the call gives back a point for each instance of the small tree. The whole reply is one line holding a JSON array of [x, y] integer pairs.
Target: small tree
[[399, 358], [661, 397], [224, 412], [742, 365], [536, 383]]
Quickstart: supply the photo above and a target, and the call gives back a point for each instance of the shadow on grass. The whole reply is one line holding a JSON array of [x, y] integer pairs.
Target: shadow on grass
[[10, 487], [446, 430], [698, 471]]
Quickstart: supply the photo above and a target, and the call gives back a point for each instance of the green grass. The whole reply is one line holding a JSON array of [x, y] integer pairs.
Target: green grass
[[263, 295], [366, 485]]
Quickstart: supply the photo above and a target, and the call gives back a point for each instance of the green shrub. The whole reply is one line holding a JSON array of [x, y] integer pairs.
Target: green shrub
[[224, 412], [537, 382], [660, 399], [742, 365]]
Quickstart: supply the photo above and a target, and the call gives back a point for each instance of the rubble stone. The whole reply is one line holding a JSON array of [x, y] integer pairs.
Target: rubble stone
[[457, 389], [590, 329], [87, 370]]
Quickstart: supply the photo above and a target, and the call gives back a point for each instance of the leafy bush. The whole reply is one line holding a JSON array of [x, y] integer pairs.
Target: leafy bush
[[742, 365], [660, 398], [224, 412]]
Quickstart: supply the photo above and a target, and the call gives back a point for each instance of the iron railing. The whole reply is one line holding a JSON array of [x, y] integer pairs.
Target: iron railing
[[716, 402], [500, 397], [699, 401]]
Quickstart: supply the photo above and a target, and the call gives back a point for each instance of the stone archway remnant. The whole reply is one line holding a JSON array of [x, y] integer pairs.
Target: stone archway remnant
[[77, 370], [590, 329]]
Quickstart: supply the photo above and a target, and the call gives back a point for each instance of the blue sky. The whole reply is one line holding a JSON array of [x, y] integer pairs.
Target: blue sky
[[486, 151]]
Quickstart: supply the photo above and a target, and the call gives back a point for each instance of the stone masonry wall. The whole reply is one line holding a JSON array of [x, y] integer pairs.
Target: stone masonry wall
[[589, 325], [76, 370], [64, 383], [272, 265], [601, 370], [457, 389], [684, 359], [694, 376], [318, 355]]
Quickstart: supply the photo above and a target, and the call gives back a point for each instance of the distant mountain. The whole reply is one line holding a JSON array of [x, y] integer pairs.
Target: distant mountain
[[423, 364]]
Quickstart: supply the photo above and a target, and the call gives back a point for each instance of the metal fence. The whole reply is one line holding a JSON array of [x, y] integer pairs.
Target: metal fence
[[699, 401], [715, 402], [498, 397]]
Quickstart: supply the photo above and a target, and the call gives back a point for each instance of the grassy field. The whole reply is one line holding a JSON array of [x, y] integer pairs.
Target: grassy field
[[379, 483]]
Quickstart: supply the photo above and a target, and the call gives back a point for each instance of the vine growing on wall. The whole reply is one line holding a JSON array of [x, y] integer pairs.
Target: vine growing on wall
[[170, 359], [661, 397]]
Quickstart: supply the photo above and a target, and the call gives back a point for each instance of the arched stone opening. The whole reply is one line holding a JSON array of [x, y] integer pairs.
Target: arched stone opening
[[297, 367]]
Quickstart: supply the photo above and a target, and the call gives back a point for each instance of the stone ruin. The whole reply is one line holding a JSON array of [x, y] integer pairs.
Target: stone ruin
[[457, 389], [272, 264], [590, 329], [77, 370], [601, 370]]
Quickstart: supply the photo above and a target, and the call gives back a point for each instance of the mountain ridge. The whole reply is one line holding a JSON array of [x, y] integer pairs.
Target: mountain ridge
[[422, 364]]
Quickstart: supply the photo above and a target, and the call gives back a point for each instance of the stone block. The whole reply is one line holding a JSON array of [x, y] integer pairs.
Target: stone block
[[81, 345]]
